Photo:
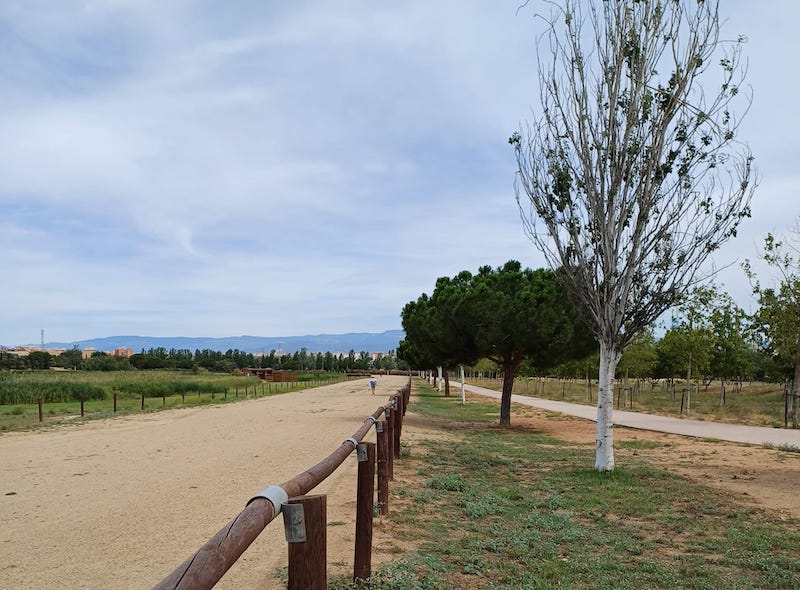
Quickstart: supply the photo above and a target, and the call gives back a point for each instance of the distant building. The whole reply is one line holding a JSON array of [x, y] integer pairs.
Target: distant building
[[274, 375], [88, 352], [122, 352]]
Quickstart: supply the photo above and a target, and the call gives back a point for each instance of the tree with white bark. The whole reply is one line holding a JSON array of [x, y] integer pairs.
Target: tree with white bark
[[631, 174]]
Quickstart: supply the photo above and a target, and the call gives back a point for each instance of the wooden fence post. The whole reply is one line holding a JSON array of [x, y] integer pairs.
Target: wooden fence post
[[41, 417], [307, 559], [142, 400], [398, 425], [81, 406], [365, 505], [115, 403], [382, 435], [390, 441]]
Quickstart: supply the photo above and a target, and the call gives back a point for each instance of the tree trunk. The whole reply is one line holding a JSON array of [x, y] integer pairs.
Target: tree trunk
[[446, 382], [689, 383], [604, 457], [463, 395], [505, 399], [795, 392]]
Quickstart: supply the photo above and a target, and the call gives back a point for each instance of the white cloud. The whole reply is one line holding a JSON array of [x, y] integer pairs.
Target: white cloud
[[174, 168]]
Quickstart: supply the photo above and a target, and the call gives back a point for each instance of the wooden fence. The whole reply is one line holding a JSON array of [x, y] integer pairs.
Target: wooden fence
[[305, 526]]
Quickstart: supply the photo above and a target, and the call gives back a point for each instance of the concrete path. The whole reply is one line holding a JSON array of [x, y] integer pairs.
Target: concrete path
[[758, 435]]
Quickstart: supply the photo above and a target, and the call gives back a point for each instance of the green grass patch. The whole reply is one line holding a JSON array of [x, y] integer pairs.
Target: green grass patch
[[61, 392], [512, 509]]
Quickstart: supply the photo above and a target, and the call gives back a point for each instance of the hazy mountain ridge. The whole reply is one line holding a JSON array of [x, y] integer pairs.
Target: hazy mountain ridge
[[357, 341]]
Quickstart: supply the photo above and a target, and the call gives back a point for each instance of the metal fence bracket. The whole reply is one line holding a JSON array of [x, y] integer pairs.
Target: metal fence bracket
[[294, 523]]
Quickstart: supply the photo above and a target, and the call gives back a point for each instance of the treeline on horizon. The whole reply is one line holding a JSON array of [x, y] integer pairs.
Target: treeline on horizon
[[208, 360]]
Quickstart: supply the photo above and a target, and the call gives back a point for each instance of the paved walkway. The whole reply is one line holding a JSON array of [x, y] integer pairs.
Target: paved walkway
[[758, 435]]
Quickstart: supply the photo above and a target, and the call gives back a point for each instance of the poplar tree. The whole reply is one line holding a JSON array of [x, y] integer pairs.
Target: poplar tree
[[630, 174]]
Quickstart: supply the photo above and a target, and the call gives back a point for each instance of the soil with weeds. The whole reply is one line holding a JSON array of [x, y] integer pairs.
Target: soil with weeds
[[480, 507]]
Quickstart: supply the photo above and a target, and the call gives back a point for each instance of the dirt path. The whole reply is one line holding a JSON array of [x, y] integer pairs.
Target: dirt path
[[120, 503]]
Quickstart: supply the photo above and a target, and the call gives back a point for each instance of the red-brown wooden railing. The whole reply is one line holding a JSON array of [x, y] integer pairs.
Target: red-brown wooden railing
[[207, 566]]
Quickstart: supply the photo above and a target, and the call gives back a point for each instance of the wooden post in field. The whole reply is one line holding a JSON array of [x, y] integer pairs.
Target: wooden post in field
[[785, 406], [115, 403], [142, 400], [307, 559], [163, 398], [365, 506], [382, 434], [183, 397], [41, 417]]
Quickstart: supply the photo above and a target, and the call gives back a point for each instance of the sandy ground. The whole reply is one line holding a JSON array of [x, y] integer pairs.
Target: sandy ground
[[120, 503]]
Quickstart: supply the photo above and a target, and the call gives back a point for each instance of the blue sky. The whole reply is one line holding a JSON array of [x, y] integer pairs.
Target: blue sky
[[195, 168]]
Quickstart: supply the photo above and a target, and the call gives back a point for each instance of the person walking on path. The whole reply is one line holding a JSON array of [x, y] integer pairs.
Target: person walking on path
[[372, 384]]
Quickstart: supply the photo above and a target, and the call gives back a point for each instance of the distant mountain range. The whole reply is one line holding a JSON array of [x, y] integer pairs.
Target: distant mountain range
[[357, 341]]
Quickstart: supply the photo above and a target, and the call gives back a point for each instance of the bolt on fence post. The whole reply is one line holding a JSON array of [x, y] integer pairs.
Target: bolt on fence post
[[383, 466], [307, 559], [365, 505]]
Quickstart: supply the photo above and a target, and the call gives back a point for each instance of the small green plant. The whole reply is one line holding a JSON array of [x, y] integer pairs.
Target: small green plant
[[452, 482]]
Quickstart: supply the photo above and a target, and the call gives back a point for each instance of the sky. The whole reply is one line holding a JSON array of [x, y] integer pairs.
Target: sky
[[196, 168]]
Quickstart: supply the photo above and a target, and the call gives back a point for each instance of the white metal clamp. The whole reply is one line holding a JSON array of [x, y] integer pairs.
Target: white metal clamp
[[275, 494]]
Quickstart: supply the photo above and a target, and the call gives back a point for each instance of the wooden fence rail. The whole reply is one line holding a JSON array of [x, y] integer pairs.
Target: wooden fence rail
[[207, 566]]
